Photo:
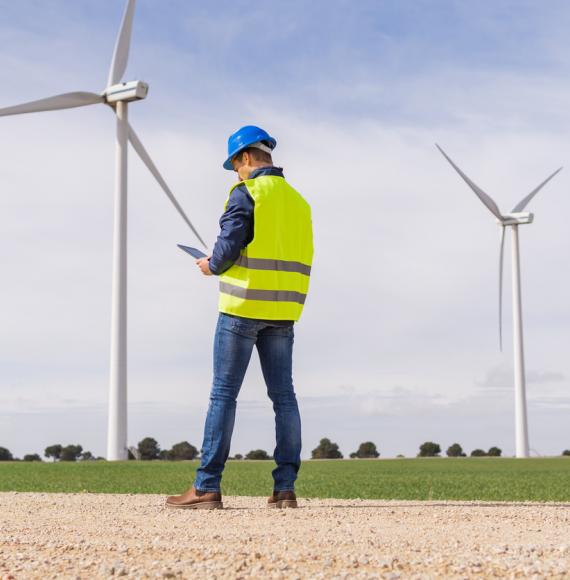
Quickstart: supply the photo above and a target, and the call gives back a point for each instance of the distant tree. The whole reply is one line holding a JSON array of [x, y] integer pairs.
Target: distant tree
[[494, 452], [71, 453], [5, 454], [566, 452], [455, 450], [326, 449], [429, 449], [353, 455], [87, 456], [32, 457], [478, 453], [53, 451], [258, 454], [183, 451], [366, 450], [148, 449], [400, 456], [238, 456]]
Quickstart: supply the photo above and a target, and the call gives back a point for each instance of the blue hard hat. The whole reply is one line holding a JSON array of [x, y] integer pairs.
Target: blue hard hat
[[245, 137]]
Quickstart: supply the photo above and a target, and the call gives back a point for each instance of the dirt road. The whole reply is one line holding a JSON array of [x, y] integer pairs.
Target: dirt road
[[98, 536]]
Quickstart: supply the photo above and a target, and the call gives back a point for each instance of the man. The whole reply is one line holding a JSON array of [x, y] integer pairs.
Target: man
[[263, 258]]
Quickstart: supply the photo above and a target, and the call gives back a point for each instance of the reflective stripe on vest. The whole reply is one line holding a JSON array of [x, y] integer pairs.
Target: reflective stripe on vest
[[274, 295], [270, 278], [280, 265]]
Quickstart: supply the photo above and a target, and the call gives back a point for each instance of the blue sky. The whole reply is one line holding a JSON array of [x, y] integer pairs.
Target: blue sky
[[398, 340]]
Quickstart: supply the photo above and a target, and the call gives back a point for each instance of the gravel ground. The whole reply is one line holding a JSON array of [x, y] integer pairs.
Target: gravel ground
[[100, 535]]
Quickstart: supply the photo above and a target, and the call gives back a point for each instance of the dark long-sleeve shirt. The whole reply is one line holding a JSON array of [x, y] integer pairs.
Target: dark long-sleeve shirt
[[236, 224]]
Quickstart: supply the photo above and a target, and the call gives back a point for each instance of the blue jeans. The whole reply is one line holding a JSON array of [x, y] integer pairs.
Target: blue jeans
[[233, 345]]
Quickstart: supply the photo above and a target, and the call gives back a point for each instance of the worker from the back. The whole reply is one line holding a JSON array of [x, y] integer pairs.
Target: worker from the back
[[263, 258]]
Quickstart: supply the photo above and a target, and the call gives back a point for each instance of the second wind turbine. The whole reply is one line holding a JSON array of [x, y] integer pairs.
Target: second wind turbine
[[513, 220]]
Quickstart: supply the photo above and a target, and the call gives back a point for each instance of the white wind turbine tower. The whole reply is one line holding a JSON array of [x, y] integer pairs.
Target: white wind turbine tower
[[513, 219], [117, 95]]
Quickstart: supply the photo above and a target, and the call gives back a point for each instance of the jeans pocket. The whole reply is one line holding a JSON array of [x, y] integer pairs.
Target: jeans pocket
[[285, 330], [245, 326]]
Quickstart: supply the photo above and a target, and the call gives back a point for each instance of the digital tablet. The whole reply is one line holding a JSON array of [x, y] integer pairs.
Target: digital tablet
[[192, 251]]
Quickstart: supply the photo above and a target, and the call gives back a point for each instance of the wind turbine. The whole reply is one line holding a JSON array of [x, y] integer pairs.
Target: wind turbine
[[117, 95], [513, 220]]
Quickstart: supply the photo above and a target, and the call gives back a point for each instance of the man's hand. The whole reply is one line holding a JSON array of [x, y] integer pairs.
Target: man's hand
[[204, 265]]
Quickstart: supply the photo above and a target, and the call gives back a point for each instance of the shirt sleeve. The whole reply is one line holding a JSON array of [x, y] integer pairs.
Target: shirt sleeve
[[235, 230]]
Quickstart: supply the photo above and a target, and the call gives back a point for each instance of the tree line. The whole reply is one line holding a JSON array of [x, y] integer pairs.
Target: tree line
[[368, 450], [326, 449], [148, 449], [56, 452]]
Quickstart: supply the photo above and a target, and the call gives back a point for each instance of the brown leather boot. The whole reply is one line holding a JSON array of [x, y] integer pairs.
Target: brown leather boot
[[282, 499], [194, 499]]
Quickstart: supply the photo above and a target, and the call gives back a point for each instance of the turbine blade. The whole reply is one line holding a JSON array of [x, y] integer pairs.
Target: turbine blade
[[501, 260], [486, 199], [121, 52], [523, 203], [139, 148], [64, 101]]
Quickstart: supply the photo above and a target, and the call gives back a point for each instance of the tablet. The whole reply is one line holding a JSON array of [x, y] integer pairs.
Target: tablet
[[192, 251]]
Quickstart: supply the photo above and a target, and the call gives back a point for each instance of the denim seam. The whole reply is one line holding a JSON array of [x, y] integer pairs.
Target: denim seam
[[209, 437]]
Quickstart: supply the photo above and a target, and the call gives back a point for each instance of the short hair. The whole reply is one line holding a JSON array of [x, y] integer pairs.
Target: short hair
[[257, 154]]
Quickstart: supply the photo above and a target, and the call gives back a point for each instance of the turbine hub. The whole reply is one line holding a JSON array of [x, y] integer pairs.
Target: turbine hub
[[516, 219], [132, 91]]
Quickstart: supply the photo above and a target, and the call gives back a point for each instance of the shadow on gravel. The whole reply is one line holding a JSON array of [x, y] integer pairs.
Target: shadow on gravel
[[391, 507], [446, 504]]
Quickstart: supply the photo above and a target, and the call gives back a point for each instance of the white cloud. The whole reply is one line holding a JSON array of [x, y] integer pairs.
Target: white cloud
[[501, 377]]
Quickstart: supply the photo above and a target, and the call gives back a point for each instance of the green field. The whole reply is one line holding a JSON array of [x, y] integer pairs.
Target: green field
[[490, 479]]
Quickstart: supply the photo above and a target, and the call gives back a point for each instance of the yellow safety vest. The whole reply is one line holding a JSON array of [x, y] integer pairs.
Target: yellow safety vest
[[270, 278]]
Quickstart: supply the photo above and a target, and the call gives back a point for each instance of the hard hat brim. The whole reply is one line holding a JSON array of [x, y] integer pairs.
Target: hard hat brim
[[228, 163]]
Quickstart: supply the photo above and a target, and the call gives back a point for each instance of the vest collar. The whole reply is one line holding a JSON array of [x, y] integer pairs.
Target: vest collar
[[269, 170]]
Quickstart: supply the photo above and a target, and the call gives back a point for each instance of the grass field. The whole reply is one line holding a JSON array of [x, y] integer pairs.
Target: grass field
[[490, 479]]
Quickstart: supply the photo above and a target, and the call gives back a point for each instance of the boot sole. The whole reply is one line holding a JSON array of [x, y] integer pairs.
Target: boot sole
[[200, 505], [283, 504], [287, 503]]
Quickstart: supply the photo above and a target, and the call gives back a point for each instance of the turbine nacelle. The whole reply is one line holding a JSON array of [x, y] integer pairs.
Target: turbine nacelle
[[516, 219], [126, 92]]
